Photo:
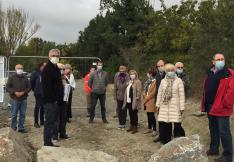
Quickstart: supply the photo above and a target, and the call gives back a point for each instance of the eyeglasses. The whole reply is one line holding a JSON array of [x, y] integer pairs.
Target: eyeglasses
[[180, 67]]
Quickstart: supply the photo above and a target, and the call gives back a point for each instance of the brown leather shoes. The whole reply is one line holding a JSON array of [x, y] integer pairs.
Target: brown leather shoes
[[134, 130], [130, 129]]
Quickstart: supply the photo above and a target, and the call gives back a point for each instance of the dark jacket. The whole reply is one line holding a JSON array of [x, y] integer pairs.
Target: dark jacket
[[18, 83], [98, 82], [159, 77], [52, 84], [36, 74], [184, 77], [38, 90], [224, 98]]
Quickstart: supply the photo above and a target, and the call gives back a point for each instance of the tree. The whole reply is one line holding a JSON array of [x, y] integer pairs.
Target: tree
[[16, 27]]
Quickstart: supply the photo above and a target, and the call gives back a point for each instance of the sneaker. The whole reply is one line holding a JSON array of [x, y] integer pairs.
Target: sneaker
[[36, 125], [23, 131], [222, 159], [212, 153], [55, 138]]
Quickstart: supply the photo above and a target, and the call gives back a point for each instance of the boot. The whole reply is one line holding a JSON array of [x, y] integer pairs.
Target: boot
[[134, 130], [130, 129]]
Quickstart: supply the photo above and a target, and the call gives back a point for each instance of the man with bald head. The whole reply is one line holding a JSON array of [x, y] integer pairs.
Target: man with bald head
[[18, 87], [218, 101], [52, 94], [181, 73]]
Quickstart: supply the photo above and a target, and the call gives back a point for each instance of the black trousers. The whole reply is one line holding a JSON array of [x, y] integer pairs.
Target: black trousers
[[178, 130], [133, 115], [38, 111], [51, 113], [61, 120], [122, 113], [94, 98], [151, 121], [165, 132], [69, 105]]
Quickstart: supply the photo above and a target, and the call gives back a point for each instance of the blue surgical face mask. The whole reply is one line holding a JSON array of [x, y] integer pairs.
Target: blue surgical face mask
[[219, 64], [171, 74], [179, 71]]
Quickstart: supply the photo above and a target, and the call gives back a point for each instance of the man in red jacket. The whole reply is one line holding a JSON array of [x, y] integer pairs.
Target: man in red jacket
[[218, 101], [88, 89]]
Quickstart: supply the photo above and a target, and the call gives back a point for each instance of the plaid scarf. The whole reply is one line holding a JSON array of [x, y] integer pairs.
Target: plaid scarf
[[146, 85]]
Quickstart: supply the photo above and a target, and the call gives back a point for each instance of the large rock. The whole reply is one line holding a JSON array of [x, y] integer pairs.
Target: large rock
[[184, 149], [60, 154], [12, 147]]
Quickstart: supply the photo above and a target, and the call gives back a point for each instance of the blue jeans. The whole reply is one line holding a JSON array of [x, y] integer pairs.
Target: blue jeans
[[102, 98], [220, 130], [16, 106]]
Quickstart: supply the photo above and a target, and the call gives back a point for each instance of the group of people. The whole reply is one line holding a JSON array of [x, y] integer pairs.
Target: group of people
[[163, 93], [162, 96]]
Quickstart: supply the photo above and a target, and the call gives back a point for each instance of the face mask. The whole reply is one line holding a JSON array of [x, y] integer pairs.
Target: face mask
[[133, 76], [179, 71], [62, 72], [19, 71], [219, 64], [148, 75], [171, 74], [92, 70], [54, 60], [161, 69], [99, 67]]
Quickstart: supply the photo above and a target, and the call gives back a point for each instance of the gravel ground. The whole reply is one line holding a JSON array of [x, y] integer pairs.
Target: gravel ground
[[106, 137]]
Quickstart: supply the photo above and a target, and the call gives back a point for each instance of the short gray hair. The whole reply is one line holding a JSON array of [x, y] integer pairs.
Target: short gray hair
[[54, 51]]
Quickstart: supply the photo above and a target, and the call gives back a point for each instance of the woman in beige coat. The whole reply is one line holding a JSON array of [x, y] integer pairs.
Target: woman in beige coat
[[149, 101], [170, 104], [132, 100]]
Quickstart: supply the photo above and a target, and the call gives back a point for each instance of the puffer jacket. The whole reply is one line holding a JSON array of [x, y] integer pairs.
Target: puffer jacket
[[171, 112], [137, 93]]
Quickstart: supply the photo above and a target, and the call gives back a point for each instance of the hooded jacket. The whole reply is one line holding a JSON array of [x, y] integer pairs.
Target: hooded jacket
[[137, 91]]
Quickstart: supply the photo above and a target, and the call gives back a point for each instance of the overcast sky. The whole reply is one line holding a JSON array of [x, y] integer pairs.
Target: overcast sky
[[61, 20]]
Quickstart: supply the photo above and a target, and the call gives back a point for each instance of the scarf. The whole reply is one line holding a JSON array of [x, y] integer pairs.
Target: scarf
[[122, 77], [168, 91], [146, 85]]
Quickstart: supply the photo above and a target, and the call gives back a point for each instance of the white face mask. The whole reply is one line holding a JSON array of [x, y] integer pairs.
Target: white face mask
[[99, 67], [148, 75], [62, 72], [92, 70], [161, 69], [133, 76], [19, 71], [54, 60]]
